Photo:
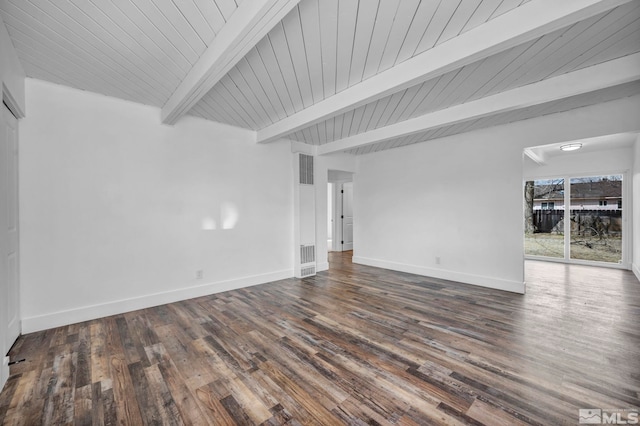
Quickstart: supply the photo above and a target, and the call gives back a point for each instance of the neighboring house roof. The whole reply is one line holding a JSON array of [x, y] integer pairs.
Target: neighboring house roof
[[583, 190], [602, 189]]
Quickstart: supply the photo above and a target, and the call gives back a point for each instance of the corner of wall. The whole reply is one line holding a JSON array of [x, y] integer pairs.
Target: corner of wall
[[324, 266]]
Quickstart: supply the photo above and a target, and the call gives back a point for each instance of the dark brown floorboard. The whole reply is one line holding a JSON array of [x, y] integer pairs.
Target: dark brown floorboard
[[354, 345]]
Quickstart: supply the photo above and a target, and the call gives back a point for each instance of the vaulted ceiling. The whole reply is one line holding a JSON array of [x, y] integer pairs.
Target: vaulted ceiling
[[353, 76]]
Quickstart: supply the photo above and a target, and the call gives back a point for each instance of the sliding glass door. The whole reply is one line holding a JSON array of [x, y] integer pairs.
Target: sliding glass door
[[544, 215], [596, 218], [575, 218]]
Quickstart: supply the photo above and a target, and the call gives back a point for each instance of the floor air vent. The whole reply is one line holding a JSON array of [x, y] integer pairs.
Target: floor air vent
[[308, 271], [307, 260]]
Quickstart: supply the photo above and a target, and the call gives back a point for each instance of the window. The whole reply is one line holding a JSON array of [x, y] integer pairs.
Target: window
[[594, 227], [596, 235], [542, 222]]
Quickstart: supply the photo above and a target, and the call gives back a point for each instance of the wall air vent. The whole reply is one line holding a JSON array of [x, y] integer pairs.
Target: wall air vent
[[308, 271], [306, 169], [307, 254]]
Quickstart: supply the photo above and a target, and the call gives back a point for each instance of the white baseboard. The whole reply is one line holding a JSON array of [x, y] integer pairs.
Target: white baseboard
[[479, 280], [86, 313], [636, 270], [4, 371]]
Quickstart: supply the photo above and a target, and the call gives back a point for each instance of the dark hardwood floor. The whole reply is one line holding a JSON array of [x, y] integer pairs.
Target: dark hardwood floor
[[354, 345]]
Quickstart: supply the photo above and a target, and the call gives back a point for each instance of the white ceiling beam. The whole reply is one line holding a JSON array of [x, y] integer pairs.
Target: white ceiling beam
[[596, 77], [527, 22], [247, 26]]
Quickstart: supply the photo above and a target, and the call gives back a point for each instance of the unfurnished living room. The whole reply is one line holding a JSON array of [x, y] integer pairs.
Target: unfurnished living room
[[320, 212]]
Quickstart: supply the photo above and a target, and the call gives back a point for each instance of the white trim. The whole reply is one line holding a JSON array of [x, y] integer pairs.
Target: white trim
[[304, 148], [479, 280], [11, 103], [4, 371], [636, 271], [539, 159], [86, 313]]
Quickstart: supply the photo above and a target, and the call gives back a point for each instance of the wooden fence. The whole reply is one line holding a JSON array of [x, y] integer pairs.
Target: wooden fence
[[609, 220], [545, 220]]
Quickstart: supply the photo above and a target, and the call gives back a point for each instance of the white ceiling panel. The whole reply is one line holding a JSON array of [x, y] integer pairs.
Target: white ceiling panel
[[291, 60], [567, 104], [323, 47], [599, 39], [136, 50]]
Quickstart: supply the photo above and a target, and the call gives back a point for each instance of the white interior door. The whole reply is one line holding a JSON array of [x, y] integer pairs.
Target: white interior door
[[347, 216], [11, 280]]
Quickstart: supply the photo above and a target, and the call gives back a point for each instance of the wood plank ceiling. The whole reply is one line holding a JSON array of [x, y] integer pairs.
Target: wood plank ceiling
[[143, 50]]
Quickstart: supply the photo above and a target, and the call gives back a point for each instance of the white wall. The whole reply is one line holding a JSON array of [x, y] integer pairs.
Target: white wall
[[113, 206], [442, 199], [12, 84], [635, 223], [398, 226]]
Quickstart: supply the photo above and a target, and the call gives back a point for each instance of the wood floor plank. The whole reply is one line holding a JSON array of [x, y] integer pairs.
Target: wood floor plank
[[295, 409], [133, 351], [83, 410], [161, 397], [126, 406], [148, 409], [488, 414], [352, 345], [190, 365], [213, 407], [7, 395], [190, 410], [99, 355]]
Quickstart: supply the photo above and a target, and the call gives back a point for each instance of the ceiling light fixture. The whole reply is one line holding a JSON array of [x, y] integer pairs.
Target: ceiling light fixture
[[571, 146]]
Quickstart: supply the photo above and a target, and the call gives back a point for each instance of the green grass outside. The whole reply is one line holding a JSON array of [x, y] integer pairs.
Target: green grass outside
[[608, 249]]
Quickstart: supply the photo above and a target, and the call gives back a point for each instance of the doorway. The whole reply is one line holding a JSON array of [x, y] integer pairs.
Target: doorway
[[10, 326], [346, 216], [340, 211]]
